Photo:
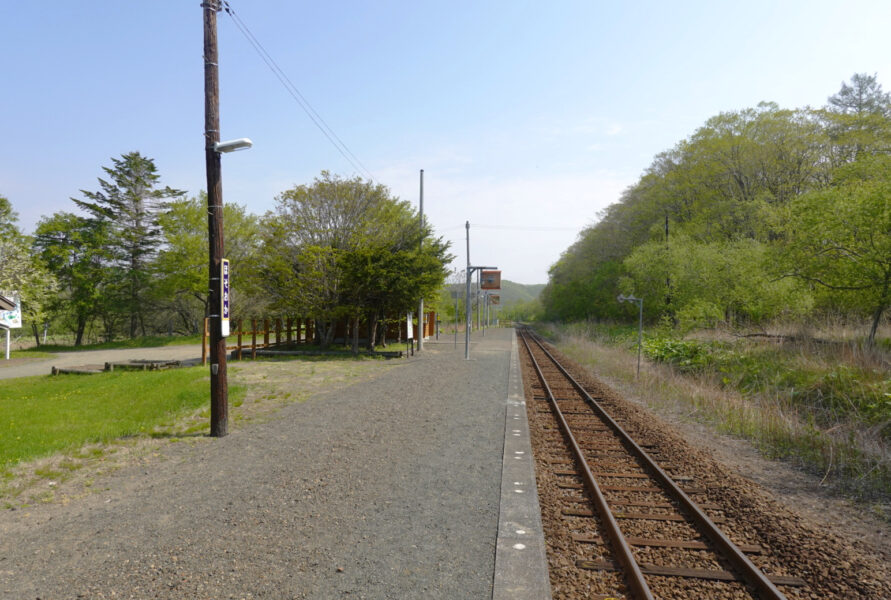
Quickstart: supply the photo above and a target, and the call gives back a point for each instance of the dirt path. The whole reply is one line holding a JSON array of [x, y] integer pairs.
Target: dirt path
[[27, 368]]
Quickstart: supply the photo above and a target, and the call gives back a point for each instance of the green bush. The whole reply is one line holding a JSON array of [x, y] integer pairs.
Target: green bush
[[686, 355]]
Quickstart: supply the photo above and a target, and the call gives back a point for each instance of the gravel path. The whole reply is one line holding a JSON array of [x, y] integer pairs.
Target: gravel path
[[24, 368], [387, 489]]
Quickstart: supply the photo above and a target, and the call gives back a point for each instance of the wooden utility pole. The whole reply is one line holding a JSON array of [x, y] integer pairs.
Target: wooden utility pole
[[219, 389]]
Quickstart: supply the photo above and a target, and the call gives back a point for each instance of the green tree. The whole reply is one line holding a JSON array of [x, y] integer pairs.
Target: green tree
[[8, 219], [838, 238], [128, 203], [181, 281], [344, 248], [74, 249], [857, 120], [22, 273], [712, 282], [863, 97]]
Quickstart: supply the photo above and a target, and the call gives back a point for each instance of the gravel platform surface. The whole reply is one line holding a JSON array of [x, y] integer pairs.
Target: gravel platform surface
[[387, 489]]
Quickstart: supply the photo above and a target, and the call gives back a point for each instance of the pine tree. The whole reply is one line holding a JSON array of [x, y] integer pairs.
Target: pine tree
[[129, 203]]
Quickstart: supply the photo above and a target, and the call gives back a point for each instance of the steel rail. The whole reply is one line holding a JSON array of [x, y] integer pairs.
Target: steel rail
[[732, 553], [636, 579]]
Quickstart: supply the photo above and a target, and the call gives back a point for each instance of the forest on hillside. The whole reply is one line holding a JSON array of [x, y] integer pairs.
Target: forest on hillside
[[761, 214]]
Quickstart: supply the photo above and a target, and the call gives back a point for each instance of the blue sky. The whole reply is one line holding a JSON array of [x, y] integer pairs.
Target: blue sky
[[527, 117]]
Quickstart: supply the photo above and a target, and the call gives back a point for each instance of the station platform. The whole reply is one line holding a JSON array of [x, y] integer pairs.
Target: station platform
[[418, 483]]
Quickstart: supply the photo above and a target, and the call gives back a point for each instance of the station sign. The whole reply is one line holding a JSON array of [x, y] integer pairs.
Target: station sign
[[224, 301], [490, 280], [494, 299]]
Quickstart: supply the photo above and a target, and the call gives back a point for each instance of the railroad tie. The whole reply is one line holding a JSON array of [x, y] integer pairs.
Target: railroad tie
[[651, 542], [714, 575]]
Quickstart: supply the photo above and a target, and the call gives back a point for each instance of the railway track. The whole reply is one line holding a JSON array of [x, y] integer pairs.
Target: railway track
[[636, 522]]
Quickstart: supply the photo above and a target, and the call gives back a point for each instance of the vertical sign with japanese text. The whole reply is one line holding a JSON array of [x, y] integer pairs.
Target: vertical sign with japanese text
[[224, 304]]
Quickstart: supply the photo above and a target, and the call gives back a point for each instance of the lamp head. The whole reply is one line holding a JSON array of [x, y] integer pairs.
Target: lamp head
[[233, 145]]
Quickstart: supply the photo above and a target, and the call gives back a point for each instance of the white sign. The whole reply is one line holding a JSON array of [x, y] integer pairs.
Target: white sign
[[224, 301], [409, 327], [12, 319]]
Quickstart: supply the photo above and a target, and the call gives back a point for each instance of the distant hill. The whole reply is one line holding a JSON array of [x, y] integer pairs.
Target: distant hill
[[512, 293]]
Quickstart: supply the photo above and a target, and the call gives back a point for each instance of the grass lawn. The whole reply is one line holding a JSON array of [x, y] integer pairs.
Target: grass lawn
[[44, 415], [151, 341]]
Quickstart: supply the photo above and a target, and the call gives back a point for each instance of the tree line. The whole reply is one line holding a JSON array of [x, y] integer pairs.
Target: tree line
[[760, 214], [131, 259]]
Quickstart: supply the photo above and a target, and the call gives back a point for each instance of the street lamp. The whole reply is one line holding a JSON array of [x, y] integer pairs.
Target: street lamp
[[639, 301], [233, 145]]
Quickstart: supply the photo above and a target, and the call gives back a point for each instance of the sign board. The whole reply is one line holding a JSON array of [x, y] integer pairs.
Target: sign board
[[490, 280], [494, 299], [224, 304], [409, 327], [12, 319]]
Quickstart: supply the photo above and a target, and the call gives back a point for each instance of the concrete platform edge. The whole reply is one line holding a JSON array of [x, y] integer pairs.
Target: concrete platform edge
[[521, 567]]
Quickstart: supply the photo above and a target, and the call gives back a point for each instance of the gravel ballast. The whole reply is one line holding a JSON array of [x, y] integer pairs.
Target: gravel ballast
[[386, 489], [832, 566]]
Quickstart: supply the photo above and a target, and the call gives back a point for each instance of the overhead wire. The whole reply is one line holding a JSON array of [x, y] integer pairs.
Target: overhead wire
[[283, 78], [526, 228], [509, 228]]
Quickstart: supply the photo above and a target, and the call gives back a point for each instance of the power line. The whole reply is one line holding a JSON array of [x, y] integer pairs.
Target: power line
[[509, 228], [525, 228], [311, 112]]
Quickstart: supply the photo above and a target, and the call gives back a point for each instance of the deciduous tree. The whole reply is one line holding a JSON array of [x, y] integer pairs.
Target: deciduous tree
[[840, 237]]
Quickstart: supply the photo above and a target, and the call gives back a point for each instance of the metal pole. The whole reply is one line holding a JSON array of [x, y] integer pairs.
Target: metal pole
[[639, 334], [7, 342], [219, 401], [420, 246], [484, 310], [479, 291], [467, 300], [487, 310], [456, 318]]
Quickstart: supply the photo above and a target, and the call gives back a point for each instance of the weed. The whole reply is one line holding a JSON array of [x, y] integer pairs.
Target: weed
[[47, 473]]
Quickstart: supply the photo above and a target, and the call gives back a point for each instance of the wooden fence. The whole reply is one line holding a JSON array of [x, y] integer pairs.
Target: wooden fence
[[269, 333], [263, 333]]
